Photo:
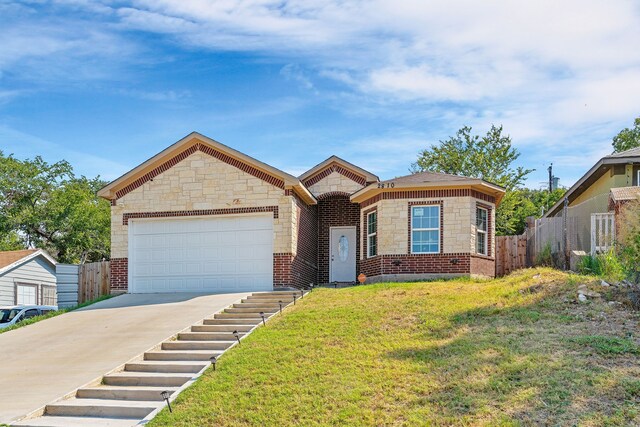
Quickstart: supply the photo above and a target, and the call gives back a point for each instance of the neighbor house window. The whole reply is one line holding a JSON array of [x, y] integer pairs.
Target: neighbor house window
[[482, 216], [48, 295], [26, 294], [372, 234], [425, 229]]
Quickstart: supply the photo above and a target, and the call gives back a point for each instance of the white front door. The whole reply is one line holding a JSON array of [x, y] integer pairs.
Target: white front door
[[342, 255], [206, 254]]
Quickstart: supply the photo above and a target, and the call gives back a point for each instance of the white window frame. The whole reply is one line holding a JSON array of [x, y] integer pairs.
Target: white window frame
[[35, 286], [484, 232], [438, 229], [369, 235]]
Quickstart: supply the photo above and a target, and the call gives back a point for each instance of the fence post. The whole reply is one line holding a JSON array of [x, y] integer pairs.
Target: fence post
[[565, 233]]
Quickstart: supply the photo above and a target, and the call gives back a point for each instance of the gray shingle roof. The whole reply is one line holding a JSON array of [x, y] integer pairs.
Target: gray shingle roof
[[629, 153], [420, 177]]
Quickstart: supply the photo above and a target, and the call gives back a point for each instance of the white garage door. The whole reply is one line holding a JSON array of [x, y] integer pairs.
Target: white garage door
[[215, 254]]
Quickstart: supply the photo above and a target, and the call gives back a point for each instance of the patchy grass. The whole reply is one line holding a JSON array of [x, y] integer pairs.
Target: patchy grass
[[51, 314], [516, 351]]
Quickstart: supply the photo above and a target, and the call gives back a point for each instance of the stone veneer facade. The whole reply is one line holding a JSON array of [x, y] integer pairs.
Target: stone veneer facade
[[201, 184], [200, 181], [457, 256]]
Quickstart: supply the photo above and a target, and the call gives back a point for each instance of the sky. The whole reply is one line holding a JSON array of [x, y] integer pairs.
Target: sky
[[108, 84]]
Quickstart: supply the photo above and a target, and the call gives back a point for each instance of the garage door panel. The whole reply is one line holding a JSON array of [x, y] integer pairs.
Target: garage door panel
[[202, 254]]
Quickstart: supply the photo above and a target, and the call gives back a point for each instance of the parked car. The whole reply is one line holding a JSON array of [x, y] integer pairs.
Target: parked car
[[11, 315]]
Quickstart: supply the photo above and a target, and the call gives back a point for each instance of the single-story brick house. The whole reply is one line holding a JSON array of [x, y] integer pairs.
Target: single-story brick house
[[201, 216]]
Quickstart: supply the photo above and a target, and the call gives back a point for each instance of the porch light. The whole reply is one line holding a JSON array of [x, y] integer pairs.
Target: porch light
[[165, 395], [214, 360], [280, 302], [237, 335], [262, 315]]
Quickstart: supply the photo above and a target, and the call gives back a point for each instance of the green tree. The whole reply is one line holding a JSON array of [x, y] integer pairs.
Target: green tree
[[46, 206], [627, 138], [488, 157], [521, 203]]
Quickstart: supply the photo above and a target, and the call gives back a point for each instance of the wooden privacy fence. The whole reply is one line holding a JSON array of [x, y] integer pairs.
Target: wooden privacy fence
[[511, 254], [93, 281]]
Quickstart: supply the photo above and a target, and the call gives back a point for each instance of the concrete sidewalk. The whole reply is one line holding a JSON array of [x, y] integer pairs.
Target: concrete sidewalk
[[46, 360]]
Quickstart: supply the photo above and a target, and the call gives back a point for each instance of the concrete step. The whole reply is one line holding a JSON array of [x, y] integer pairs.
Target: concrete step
[[56, 421], [181, 354], [165, 366], [124, 393], [262, 294], [269, 299], [208, 336], [235, 321], [267, 312], [101, 408], [212, 346], [222, 328], [254, 316], [152, 379], [268, 306]]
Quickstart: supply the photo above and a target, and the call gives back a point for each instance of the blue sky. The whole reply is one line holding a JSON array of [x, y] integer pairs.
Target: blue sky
[[107, 84]]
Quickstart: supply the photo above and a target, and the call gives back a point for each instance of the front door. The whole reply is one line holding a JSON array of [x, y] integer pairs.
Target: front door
[[342, 256]]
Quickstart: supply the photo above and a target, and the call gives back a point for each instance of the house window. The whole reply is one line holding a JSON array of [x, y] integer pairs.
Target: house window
[[372, 234], [425, 229], [482, 216], [26, 294], [48, 295]]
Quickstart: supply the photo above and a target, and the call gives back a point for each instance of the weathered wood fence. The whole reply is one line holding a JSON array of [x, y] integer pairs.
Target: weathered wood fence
[[93, 281], [511, 254]]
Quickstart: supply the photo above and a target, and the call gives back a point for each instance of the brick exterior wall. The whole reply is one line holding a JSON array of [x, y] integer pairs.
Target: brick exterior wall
[[417, 264], [483, 266], [335, 211], [202, 212], [119, 274], [304, 265]]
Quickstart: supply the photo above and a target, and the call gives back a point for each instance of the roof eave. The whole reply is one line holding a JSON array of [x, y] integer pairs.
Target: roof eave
[[28, 258], [373, 189], [109, 190], [322, 165]]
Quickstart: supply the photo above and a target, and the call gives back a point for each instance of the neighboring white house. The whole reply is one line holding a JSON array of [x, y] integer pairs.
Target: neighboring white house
[[27, 277]]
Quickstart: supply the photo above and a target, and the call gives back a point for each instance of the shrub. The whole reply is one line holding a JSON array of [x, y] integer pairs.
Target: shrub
[[607, 265], [628, 239], [544, 257]]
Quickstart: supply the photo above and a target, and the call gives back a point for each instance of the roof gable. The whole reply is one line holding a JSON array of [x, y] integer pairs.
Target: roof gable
[[593, 174], [190, 144], [336, 164], [12, 259]]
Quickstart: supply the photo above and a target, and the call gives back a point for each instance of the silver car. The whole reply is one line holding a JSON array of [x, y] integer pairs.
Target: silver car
[[11, 315]]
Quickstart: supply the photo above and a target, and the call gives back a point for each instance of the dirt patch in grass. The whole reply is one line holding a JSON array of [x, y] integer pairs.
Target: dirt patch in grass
[[516, 351]]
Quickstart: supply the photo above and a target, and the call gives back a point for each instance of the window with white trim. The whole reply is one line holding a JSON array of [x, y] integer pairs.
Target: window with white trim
[[372, 234], [26, 294], [425, 229], [482, 222]]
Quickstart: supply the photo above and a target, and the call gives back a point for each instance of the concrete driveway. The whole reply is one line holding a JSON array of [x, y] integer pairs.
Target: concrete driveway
[[49, 359]]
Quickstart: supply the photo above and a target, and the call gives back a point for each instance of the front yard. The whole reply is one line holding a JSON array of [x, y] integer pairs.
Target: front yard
[[514, 351]]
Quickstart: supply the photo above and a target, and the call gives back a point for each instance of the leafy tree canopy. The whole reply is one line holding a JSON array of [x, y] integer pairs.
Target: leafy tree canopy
[[491, 158], [46, 206], [627, 138]]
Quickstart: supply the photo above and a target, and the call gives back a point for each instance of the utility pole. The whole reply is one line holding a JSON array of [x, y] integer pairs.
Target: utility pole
[[550, 178]]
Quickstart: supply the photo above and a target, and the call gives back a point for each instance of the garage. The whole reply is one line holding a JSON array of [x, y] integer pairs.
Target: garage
[[201, 254]]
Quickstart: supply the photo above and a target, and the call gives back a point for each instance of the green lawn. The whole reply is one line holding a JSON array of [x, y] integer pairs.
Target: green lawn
[[513, 351]]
